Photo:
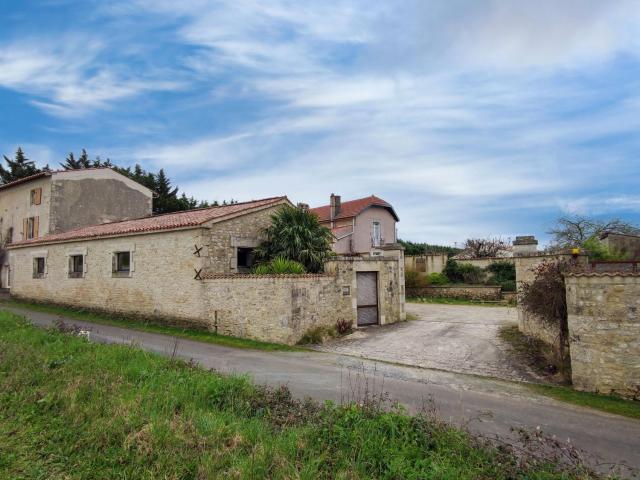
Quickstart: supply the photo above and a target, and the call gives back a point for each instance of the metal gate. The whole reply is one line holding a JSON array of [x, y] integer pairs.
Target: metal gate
[[367, 298]]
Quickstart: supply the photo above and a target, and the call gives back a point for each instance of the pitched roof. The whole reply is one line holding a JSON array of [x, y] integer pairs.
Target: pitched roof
[[168, 221], [35, 176], [353, 208]]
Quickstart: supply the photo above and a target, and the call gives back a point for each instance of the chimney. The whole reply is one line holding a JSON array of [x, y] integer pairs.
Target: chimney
[[334, 203], [303, 206], [525, 245]]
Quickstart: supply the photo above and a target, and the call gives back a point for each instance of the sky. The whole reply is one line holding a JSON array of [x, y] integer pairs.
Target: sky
[[474, 118]]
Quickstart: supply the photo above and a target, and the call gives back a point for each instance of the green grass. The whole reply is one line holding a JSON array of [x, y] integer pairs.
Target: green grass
[[457, 301], [605, 403], [70, 408], [148, 326]]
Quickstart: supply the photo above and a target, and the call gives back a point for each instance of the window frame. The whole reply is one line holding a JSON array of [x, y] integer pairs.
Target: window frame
[[115, 264], [37, 274], [376, 240], [248, 253], [73, 273], [31, 228]]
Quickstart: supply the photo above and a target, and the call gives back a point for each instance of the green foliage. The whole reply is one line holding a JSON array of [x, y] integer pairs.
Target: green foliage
[[296, 234], [114, 411], [463, 272], [414, 279], [503, 274], [436, 278], [413, 248], [599, 251], [280, 266], [575, 231], [19, 167]]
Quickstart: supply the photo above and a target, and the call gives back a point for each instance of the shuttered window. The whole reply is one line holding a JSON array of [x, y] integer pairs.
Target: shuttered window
[[36, 196]]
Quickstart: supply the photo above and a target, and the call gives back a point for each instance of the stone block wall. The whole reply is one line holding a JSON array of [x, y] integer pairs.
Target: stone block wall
[[434, 263], [470, 292], [161, 283], [275, 308], [531, 324], [224, 238], [604, 332]]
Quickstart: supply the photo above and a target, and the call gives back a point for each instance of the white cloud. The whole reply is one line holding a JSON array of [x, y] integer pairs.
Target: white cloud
[[66, 77]]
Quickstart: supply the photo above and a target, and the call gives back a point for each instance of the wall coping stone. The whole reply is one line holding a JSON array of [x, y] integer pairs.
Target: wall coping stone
[[253, 276], [602, 274]]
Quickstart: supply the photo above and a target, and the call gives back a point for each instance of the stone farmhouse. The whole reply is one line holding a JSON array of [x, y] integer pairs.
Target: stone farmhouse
[[58, 201], [359, 226], [189, 268]]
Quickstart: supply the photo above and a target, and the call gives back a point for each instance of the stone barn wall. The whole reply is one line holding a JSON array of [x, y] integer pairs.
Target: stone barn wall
[[604, 332]]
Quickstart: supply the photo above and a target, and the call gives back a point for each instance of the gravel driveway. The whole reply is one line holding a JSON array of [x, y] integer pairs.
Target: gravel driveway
[[457, 338]]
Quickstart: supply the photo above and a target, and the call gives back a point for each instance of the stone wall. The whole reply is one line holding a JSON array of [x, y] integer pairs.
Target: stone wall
[[604, 332], [161, 283], [530, 324], [433, 263], [469, 292], [485, 262], [276, 308], [224, 238], [391, 289]]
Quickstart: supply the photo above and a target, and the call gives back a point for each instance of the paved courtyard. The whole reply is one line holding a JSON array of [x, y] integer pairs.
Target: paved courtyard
[[457, 338]]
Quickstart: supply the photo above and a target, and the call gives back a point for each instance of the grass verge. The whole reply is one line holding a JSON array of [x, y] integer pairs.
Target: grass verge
[[150, 326], [605, 403], [458, 301], [70, 408], [537, 354]]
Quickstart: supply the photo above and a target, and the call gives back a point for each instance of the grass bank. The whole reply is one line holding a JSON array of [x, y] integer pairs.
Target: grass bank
[[74, 409], [458, 301], [149, 326]]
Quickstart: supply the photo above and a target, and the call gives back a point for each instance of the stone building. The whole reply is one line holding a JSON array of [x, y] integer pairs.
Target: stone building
[[59, 201], [187, 268], [359, 226], [622, 243]]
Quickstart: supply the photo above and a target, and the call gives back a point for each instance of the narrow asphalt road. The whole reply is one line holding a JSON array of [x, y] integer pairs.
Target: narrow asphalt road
[[486, 406]]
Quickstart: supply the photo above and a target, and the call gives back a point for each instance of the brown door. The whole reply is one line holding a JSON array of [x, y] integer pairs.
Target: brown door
[[367, 298]]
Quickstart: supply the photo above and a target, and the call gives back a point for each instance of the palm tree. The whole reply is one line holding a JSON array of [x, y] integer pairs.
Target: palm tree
[[296, 234]]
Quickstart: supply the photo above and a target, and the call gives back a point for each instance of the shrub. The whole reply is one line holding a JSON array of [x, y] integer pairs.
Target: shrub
[[503, 274], [436, 278], [280, 266], [599, 251], [414, 279], [452, 271], [318, 335], [463, 272], [344, 327], [545, 297]]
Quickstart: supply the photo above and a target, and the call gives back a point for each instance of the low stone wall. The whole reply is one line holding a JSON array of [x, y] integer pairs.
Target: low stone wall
[[277, 308], [604, 332], [510, 297], [485, 262], [469, 292]]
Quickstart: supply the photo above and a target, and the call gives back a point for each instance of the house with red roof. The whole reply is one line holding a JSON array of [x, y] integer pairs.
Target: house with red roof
[[359, 226]]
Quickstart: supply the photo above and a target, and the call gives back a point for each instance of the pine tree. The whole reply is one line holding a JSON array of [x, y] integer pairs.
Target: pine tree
[[18, 168]]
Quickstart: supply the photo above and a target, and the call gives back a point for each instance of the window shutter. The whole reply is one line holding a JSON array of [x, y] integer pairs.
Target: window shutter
[[36, 227], [35, 268], [25, 225], [38, 198], [132, 267], [84, 264], [70, 264], [113, 262]]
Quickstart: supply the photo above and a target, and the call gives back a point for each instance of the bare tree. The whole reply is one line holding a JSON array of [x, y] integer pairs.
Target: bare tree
[[483, 247], [573, 231]]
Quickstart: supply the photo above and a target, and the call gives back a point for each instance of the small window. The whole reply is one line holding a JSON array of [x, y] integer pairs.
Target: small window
[[38, 267], [76, 266], [245, 259], [35, 196], [377, 237], [31, 228], [122, 263]]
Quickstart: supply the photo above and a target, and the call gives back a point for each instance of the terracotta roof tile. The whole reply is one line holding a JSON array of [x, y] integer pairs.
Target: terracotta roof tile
[[169, 221], [352, 208]]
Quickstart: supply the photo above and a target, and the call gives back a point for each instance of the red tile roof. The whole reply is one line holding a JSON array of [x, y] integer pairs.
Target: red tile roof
[[352, 208], [169, 221]]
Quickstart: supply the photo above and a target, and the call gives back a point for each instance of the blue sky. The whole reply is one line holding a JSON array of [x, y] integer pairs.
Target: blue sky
[[473, 117]]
